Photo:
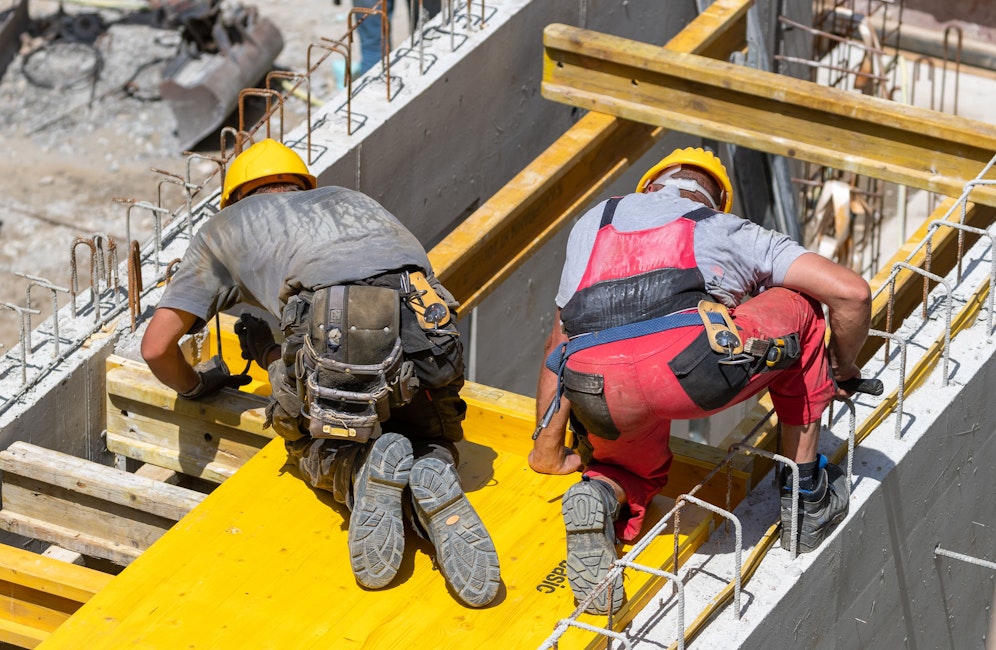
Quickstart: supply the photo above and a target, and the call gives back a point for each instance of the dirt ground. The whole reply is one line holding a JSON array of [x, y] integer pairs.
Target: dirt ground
[[72, 146]]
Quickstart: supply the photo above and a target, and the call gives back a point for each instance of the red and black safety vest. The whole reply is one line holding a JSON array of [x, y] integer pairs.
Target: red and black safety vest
[[638, 275]]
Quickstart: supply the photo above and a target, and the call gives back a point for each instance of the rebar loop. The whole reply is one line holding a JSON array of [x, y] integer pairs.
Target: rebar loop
[[157, 213], [333, 47], [73, 282], [267, 93], [739, 540], [22, 314], [947, 312], [901, 391], [34, 281], [107, 263], [171, 269], [188, 192], [944, 74], [385, 36], [306, 78]]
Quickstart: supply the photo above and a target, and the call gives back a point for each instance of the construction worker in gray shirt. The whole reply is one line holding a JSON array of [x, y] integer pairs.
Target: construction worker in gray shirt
[[365, 386]]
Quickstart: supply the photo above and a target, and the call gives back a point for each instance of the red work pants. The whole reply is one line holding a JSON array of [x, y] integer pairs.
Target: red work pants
[[640, 393]]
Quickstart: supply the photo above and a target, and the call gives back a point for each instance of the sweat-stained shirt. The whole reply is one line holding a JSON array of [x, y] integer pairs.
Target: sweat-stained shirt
[[737, 258], [266, 248]]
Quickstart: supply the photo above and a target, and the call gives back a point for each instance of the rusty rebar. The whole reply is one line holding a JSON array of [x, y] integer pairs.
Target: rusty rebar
[[266, 93], [306, 78], [335, 47], [134, 282], [73, 282], [385, 36]]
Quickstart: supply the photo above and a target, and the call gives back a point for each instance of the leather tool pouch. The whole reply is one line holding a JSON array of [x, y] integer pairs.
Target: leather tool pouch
[[715, 331], [352, 363]]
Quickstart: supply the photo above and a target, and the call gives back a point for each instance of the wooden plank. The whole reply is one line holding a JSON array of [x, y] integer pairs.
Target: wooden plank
[[184, 444], [91, 545], [47, 503], [157, 473], [181, 462], [20, 635], [78, 476], [538, 202], [63, 555], [50, 577], [768, 112]]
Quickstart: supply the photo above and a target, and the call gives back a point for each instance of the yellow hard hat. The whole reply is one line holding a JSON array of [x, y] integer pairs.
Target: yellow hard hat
[[697, 157], [264, 163]]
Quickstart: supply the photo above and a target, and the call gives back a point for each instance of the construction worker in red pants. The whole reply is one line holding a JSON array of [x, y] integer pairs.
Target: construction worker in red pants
[[670, 308]]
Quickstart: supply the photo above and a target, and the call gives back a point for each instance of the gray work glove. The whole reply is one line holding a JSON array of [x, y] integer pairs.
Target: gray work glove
[[214, 376], [255, 339]]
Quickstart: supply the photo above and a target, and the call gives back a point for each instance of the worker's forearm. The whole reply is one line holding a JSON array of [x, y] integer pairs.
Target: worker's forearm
[[849, 324], [173, 370]]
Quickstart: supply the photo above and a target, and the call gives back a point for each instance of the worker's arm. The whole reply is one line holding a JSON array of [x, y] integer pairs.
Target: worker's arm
[[848, 299], [161, 349], [549, 454]]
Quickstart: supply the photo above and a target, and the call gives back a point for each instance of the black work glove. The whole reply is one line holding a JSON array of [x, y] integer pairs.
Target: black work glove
[[214, 376], [255, 339]]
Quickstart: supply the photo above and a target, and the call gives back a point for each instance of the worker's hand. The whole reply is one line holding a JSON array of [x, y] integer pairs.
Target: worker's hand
[[255, 339], [557, 460], [841, 375], [214, 376]]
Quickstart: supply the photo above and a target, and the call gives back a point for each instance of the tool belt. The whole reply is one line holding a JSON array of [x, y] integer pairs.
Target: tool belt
[[351, 368]]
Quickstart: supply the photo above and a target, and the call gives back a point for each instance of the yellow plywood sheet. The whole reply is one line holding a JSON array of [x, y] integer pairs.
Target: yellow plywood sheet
[[263, 563]]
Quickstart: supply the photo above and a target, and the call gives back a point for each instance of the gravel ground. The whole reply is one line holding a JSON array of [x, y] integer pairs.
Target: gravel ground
[[74, 144]]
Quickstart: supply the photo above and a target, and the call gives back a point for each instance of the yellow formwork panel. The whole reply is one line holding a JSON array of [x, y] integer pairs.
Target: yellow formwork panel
[[263, 563]]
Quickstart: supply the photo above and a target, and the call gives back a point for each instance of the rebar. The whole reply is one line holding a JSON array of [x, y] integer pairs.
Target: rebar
[[134, 282], [335, 47], [947, 312], [901, 391], [944, 75], [268, 113], [385, 36], [306, 78], [747, 449], [73, 282], [22, 314], [157, 213], [964, 558], [34, 281], [739, 541]]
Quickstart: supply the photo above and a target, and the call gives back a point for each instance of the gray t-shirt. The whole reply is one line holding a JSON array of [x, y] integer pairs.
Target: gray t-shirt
[[737, 257], [266, 248]]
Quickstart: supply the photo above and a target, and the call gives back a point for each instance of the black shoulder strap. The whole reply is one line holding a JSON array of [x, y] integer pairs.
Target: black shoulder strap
[[609, 212], [700, 214]]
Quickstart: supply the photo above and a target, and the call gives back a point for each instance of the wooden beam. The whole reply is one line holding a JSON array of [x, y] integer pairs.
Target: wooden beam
[[768, 112], [84, 506], [209, 438], [513, 224]]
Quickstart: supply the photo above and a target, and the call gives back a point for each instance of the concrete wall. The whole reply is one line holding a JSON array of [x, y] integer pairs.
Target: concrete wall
[[879, 585]]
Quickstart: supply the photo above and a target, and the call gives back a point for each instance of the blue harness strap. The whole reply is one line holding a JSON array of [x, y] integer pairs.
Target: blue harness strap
[[557, 360]]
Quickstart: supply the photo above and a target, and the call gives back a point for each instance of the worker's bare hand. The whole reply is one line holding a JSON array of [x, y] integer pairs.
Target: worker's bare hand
[[562, 461]]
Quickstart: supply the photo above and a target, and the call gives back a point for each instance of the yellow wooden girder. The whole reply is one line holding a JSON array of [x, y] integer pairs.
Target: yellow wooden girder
[[769, 112], [513, 224]]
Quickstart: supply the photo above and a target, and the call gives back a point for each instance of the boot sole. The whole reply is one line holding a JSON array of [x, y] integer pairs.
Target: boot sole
[[589, 551], [376, 527], [464, 550]]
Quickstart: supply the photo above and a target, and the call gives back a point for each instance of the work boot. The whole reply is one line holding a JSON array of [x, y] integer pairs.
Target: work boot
[[820, 509], [465, 554], [376, 527], [589, 509]]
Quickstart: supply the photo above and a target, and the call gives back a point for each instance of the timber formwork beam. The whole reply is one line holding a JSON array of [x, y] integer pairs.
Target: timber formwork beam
[[768, 112], [541, 199]]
